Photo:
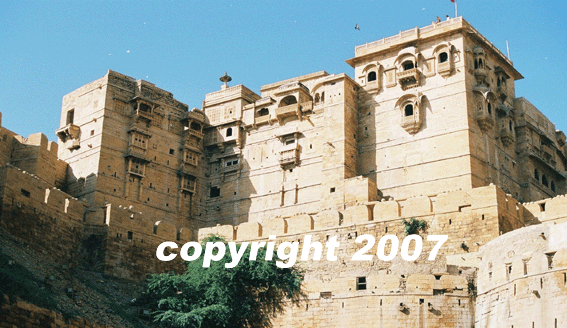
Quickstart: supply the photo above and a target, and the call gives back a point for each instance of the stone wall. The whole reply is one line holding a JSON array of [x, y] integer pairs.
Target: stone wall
[[522, 279], [22, 314]]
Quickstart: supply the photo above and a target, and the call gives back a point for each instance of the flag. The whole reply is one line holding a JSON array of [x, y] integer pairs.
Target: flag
[[453, 1]]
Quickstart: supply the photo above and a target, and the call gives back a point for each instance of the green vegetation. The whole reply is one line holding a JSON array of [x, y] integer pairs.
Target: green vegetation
[[214, 297], [413, 226]]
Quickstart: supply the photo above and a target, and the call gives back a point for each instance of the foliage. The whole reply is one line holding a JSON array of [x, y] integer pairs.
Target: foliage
[[413, 226], [244, 296]]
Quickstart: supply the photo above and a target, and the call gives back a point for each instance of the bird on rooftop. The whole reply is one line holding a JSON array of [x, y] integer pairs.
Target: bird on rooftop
[[356, 27]]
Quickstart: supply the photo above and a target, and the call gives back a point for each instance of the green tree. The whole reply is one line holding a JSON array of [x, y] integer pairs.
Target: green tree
[[412, 226], [214, 297]]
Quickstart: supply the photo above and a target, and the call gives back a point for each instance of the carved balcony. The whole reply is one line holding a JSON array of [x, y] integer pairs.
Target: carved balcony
[[68, 132], [289, 156], [262, 119], [144, 114], [288, 110], [188, 184], [230, 168], [480, 74], [408, 78], [506, 136], [484, 119], [192, 133]]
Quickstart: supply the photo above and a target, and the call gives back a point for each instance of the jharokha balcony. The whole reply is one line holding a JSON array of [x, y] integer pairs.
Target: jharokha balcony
[[290, 156]]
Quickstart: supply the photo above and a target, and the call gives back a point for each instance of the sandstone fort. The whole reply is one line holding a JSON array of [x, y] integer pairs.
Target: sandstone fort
[[428, 127]]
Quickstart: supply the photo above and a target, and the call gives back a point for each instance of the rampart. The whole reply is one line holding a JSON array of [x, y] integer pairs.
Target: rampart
[[117, 241], [522, 279], [383, 301]]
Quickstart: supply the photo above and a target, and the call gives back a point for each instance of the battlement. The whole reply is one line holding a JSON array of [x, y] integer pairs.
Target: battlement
[[546, 210], [490, 200]]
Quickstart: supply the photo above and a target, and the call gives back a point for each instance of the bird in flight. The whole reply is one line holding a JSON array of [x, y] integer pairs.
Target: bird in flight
[[356, 27]]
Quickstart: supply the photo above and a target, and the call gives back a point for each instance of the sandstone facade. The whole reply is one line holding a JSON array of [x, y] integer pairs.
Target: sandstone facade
[[429, 128]]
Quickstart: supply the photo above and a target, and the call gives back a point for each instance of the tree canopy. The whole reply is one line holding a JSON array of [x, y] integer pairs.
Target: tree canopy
[[214, 297]]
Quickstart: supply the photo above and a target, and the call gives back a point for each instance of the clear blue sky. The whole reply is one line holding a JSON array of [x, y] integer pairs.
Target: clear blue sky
[[50, 48]]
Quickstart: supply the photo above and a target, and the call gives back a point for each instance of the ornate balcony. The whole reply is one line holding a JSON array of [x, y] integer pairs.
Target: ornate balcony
[[484, 120], [188, 184], [191, 132], [288, 110], [262, 119], [69, 131], [289, 156], [506, 136], [145, 114], [408, 78]]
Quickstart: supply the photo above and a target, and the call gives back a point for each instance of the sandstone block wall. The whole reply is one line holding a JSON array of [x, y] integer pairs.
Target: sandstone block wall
[[522, 279]]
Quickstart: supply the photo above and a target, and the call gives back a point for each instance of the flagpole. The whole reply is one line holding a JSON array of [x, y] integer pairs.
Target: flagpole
[[456, 9]]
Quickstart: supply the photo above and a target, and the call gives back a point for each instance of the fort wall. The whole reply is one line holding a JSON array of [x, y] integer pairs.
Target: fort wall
[[524, 269]]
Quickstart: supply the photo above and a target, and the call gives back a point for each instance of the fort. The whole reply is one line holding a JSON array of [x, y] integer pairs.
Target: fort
[[428, 127]]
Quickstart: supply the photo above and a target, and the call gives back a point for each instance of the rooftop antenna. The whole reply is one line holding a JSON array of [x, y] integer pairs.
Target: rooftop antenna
[[508, 49], [225, 78]]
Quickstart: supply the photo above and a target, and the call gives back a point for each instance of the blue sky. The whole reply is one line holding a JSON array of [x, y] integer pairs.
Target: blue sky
[[50, 48]]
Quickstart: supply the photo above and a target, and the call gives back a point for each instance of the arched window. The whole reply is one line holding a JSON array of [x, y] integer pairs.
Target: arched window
[[489, 109], [371, 76], [229, 132], [536, 174], [443, 57], [317, 99], [263, 112], [553, 186], [407, 65], [476, 64], [408, 110], [480, 63], [323, 96], [510, 125], [288, 100], [544, 180]]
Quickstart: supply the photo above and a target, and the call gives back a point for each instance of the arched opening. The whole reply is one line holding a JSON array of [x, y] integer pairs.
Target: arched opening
[[480, 63], [544, 180], [476, 63], [443, 57], [510, 125], [229, 132], [490, 108], [263, 112], [323, 96], [371, 76], [317, 98], [407, 65], [288, 100], [536, 174], [408, 110], [195, 126], [145, 108]]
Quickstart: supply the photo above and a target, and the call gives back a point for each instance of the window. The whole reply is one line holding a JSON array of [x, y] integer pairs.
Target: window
[[550, 260], [130, 235], [332, 189], [510, 125], [145, 108], [361, 283], [171, 151], [231, 163], [490, 108], [215, 192], [408, 110], [25, 192], [290, 141], [371, 76], [536, 174], [317, 98], [195, 126], [407, 65], [70, 116], [263, 112], [443, 57], [229, 132], [544, 180]]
